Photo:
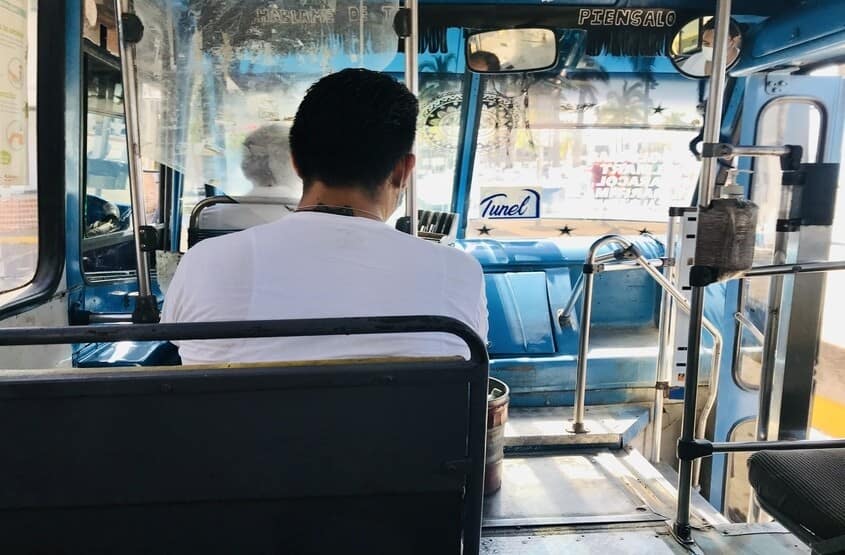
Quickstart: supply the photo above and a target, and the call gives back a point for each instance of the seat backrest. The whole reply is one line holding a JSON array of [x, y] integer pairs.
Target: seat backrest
[[220, 215], [377, 456]]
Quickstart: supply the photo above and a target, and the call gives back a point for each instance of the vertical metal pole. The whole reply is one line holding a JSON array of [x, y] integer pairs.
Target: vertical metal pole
[[583, 348], [705, 191], [412, 82], [146, 309], [666, 332], [766, 425], [584, 333], [773, 318]]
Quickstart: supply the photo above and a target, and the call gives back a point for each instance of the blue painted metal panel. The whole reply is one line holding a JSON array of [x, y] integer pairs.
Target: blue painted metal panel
[[518, 304], [466, 152], [508, 255], [73, 147], [126, 353], [626, 303], [816, 21], [624, 299], [812, 31], [559, 284]]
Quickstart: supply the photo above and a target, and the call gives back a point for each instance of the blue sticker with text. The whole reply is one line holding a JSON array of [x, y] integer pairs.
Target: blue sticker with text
[[498, 204]]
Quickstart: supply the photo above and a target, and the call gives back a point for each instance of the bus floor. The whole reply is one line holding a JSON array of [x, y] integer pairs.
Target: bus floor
[[607, 501]]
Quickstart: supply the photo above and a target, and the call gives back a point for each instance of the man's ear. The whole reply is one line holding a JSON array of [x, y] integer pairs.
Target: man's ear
[[402, 171], [407, 164], [295, 167]]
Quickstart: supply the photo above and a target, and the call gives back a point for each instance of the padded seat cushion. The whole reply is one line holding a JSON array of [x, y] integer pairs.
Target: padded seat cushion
[[804, 487]]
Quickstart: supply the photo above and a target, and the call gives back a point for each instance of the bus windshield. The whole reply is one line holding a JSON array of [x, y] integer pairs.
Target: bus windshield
[[601, 149], [599, 146]]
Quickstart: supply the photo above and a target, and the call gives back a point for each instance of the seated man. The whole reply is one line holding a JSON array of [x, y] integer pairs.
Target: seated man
[[266, 163], [351, 143]]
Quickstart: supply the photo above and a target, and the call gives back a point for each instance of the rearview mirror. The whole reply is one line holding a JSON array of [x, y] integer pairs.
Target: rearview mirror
[[691, 51], [511, 50]]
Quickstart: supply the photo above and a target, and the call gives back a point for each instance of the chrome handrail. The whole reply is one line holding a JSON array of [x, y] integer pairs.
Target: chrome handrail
[[749, 325], [584, 337]]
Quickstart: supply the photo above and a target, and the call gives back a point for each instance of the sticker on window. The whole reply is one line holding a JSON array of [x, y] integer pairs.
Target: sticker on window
[[510, 203]]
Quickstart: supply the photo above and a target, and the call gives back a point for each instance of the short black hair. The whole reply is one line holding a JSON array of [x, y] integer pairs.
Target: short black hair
[[733, 30], [352, 128], [487, 58]]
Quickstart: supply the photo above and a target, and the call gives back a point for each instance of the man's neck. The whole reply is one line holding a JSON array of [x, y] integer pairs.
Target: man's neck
[[358, 201]]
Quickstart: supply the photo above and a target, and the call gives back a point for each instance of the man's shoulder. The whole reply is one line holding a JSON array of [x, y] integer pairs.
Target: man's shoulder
[[454, 259], [217, 252]]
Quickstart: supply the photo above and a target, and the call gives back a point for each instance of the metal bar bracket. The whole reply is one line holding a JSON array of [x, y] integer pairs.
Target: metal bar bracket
[[402, 23], [133, 28], [690, 450], [790, 155]]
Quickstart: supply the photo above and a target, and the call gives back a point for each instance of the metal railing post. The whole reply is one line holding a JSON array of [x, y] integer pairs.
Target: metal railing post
[[713, 119], [412, 82], [666, 331], [584, 333], [586, 315]]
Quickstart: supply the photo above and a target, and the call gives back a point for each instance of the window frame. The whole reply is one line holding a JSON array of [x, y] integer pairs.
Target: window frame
[[91, 51], [742, 299], [50, 128]]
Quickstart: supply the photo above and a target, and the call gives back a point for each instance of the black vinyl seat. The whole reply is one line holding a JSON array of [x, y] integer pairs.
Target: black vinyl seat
[[805, 491], [366, 456]]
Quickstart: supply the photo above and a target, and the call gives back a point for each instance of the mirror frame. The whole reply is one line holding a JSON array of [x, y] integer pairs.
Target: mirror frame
[[730, 65], [471, 34]]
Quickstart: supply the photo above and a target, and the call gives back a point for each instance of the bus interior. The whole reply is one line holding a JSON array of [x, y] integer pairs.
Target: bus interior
[[650, 188]]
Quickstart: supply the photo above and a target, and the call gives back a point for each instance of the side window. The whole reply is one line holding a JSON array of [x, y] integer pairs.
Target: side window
[[784, 121], [18, 180], [107, 241]]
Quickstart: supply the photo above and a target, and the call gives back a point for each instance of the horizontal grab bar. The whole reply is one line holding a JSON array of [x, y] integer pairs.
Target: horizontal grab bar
[[798, 268]]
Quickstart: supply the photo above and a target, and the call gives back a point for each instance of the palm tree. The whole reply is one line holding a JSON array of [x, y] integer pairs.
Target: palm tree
[[440, 63], [643, 67], [435, 68], [583, 81], [625, 107]]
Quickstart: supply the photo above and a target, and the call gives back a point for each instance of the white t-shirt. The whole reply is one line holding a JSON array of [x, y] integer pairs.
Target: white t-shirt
[[317, 265]]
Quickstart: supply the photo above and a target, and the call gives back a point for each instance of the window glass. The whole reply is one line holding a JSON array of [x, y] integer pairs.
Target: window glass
[[212, 73], [829, 396], [438, 130], [108, 250], [599, 149], [18, 179], [784, 121]]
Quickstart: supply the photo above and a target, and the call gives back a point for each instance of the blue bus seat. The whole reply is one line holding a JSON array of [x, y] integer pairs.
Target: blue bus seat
[[805, 491], [361, 456]]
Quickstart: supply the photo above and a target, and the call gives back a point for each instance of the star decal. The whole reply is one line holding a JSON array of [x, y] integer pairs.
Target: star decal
[[659, 109], [645, 231], [484, 230], [566, 230]]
